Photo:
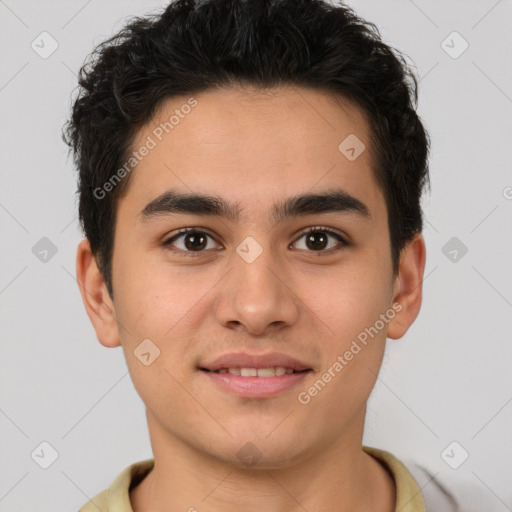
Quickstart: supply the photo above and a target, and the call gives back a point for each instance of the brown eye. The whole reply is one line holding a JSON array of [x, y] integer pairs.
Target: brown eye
[[317, 241], [190, 241], [194, 241], [320, 240]]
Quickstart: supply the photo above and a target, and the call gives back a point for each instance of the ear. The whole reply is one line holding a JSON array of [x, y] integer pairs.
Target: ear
[[408, 287], [97, 301]]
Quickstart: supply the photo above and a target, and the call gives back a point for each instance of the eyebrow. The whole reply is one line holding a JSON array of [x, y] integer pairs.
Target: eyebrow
[[334, 200]]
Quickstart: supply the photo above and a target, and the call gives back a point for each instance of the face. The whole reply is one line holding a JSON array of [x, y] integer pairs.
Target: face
[[262, 282]]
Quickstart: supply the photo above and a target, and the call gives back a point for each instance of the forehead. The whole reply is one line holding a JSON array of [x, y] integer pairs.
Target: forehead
[[250, 145]]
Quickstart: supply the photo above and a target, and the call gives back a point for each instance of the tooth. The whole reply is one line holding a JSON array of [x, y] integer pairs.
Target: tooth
[[265, 372], [257, 372], [248, 372]]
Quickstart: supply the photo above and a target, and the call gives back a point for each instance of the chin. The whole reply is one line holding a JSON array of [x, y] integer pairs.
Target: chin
[[260, 451]]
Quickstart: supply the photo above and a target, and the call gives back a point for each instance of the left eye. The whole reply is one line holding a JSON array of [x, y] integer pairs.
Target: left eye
[[317, 239], [192, 241]]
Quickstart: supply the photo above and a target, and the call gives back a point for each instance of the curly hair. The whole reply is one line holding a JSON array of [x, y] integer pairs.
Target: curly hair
[[193, 46]]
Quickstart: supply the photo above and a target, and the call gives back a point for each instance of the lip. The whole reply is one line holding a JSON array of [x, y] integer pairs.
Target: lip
[[246, 360], [255, 387]]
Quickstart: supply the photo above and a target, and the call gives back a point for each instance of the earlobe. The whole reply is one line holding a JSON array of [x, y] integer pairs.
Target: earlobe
[[97, 301], [408, 286]]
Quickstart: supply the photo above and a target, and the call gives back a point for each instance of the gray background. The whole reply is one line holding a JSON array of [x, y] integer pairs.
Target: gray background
[[449, 379]]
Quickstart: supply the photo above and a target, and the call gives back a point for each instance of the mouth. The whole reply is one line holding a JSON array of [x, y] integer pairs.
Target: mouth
[[255, 375], [257, 372]]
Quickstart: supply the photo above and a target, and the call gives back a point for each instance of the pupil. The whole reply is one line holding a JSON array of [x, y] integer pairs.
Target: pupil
[[197, 241], [314, 238]]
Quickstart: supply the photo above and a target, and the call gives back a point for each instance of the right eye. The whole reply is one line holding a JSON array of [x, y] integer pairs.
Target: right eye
[[191, 240]]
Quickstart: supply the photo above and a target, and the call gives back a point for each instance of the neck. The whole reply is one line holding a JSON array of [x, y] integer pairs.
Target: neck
[[336, 477]]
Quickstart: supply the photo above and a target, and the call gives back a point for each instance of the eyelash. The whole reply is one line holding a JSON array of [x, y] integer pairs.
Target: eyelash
[[315, 229]]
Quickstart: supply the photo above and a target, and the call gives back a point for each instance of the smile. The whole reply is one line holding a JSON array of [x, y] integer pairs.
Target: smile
[[257, 372]]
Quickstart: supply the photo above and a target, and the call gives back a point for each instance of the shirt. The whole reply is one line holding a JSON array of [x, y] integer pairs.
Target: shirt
[[117, 497]]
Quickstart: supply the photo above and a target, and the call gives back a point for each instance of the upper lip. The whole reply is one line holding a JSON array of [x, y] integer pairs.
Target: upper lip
[[246, 360]]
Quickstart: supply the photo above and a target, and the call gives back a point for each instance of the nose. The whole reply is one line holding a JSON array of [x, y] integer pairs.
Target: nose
[[256, 297]]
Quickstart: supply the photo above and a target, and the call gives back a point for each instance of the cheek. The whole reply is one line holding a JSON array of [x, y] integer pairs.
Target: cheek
[[149, 298], [163, 303], [151, 309], [348, 305], [348, 300]]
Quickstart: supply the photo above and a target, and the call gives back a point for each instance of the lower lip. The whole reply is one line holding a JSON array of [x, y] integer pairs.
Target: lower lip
[[255, 387]]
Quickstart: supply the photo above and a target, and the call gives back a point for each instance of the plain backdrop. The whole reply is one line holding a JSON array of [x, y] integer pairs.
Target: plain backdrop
[[448, 380]]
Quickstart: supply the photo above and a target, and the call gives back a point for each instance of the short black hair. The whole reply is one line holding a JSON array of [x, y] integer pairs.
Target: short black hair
[[193, 46]]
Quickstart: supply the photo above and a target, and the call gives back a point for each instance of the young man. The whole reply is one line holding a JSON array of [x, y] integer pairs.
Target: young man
[[250, 176]]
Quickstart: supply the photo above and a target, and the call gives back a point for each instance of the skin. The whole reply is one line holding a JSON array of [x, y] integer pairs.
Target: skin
[[255, 148]]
